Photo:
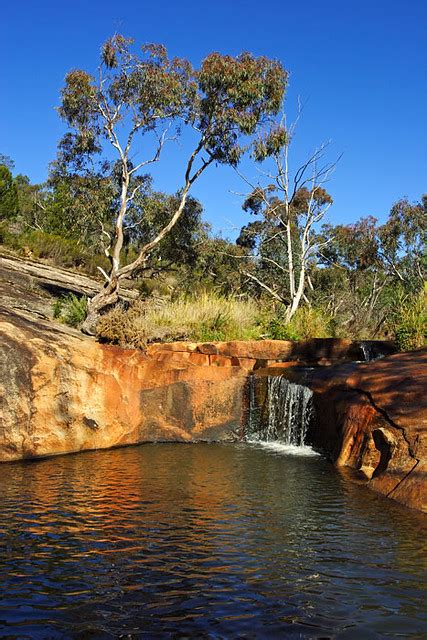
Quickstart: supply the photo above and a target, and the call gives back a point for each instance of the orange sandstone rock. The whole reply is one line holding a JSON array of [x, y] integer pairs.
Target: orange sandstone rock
[[61, 392]]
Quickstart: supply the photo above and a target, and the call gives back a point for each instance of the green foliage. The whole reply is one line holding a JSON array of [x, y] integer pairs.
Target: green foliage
[[161, 287], [59, 250], [8, 194], [30, 196], [63, 252], [365, 279], [271, 143], [354, 247], [6, 237], [403, 243], [76, 206], [234, 96], [7, 161], [215, 269], [409, 320], [70, 309], [149, 213], [146, 93], [145, 89], [308, 322], [373, 273], [226, 98], [280, 238], [207, 317], [278, 329]]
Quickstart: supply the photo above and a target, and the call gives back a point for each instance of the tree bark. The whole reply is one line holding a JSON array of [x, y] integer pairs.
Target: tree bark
[[107, 297]]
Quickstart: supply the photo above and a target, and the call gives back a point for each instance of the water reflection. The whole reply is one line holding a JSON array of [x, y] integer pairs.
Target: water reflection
[[203, 541]]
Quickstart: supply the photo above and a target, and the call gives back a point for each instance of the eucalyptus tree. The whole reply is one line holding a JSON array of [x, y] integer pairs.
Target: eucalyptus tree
[[368, 268], [352, 282], [138, 96], [402, 243], [8, 193], [178, 252], [288, 205]]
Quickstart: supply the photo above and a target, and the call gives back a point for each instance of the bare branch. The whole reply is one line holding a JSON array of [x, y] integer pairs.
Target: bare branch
[[161, 142], [107, 277], [266, 287], [189, 180], [108, 236]]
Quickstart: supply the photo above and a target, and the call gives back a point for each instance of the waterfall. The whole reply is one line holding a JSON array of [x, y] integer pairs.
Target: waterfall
[[375, 349], [284, 414], [368, 351]]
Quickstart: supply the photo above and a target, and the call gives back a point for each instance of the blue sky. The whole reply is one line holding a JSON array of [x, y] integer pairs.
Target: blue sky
[[359, 67]]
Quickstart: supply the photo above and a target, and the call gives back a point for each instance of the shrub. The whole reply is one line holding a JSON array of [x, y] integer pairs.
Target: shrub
[[70, 309], [308, 322], [122, 326], [63, 252], [276, 328], [204, 318]]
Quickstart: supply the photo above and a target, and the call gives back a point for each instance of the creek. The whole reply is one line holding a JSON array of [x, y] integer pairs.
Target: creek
[[205, 541]]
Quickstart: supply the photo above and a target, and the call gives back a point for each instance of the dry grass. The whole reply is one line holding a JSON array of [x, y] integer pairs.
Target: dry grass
[[203, 318]]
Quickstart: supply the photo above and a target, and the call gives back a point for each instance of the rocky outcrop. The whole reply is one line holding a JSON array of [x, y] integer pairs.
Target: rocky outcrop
[[253, 354], [62, 392], [384, 431], [54, 279], [373, 418]]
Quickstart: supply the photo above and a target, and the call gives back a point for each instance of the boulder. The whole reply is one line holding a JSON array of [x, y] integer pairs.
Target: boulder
[[62, 392]]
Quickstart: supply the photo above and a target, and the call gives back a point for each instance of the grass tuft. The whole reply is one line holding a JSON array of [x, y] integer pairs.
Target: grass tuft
[[70, 309], [203, 318]]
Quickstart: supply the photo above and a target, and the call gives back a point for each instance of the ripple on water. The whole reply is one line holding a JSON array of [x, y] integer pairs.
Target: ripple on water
[[208, 541]]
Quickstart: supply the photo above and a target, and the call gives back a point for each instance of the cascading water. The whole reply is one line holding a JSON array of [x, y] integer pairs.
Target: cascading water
[[368, 352], [284, 413], [375, 349]]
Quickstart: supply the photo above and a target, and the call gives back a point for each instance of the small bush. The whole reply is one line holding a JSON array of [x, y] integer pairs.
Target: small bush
[[62, 252], [276, 328], [308, 322], [6, 237], [70, 309], [122, 326]]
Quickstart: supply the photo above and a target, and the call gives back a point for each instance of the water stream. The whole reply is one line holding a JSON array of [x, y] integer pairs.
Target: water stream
[[280, 413]]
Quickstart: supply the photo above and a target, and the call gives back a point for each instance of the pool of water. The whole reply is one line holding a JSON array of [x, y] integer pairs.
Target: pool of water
[[204, 541]]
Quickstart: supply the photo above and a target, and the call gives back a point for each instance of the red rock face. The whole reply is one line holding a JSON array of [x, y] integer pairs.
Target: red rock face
[[62, 392], [317, 350]]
